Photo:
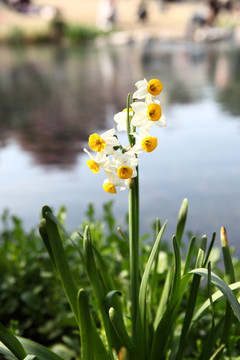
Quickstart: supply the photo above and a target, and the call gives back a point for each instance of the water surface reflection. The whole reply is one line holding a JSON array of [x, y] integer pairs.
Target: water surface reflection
[[52, 98]]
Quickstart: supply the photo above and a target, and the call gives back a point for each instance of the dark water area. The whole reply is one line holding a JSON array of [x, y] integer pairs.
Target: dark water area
[[52, 98]]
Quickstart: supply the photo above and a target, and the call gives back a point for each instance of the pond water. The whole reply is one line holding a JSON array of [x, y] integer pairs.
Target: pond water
[[52, 98]]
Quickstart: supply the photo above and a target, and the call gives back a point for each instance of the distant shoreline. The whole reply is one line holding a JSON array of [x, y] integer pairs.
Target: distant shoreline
[[79, 17]]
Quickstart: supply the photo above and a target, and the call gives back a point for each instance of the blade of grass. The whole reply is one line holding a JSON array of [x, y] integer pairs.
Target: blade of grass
[[189, 254], [216, 296], [58, 223], [12, 343], [177, 271], [154, 275], [208, 346], [96, 284], [85, 326], [60, 260], [164, 328], [121, 331], [143, 292], [223, 287], [164, 298], [192, 298], [38, 350], [227, 258], [217, 352], [100, 351], [182, 217], [230, 274], [112, 299], [209, 249], [6, 353]]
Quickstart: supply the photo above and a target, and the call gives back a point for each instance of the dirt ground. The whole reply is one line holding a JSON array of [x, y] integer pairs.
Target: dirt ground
[[169, 21]]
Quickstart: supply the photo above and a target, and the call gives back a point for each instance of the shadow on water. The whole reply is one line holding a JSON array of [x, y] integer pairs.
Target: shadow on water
[[52, 98]]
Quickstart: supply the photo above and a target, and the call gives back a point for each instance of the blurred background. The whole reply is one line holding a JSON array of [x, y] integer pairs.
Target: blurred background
[[66, 68]]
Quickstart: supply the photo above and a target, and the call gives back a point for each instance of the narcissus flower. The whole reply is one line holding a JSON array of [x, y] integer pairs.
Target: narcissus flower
[[110, 184], [145, 142], [148, 113], [109, 188], [120, 163], [124, 164], [153, 87], [121, 119], [149, 143], [104, 143], [97, 161]]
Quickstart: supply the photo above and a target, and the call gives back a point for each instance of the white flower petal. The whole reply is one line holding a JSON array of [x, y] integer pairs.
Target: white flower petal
[[139, 119], [161, 122], [108, 133], [141, 83], [138, 106], [140, 93], [89, 154], [137, 148], [150, 99]]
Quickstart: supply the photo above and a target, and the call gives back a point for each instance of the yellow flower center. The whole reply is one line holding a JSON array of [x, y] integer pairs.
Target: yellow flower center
[[130, 115], [109, 188], [154, 86], [124, 172], [96, 143], [130, 109], [154, 112], [93, 166], [149, 143]]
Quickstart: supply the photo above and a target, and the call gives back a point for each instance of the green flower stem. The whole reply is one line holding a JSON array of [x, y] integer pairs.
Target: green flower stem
[[133, 235], [134, 250], [131, 139]]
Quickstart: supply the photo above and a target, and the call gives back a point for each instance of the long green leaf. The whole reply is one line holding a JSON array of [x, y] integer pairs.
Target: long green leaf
[[210, 340], [6, 353], [163, 329], [45, 238], [96, 284], [217, 352], [209, 249], [189, 254], [121, 331], [192, 298], [216, 296], [58, 223], [230, 278], [223, 287], [99, 348], [164, 298], [177, 270], [85, 326], [60, 260], [143, 288], [182, 217], [38, 350], [12, 343]]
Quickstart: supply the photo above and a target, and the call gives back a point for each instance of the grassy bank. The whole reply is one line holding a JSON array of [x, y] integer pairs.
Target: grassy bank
[[32, 301], [57, 32]]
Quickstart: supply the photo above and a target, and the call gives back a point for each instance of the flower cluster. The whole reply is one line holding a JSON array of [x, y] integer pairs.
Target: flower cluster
[[119, 164]]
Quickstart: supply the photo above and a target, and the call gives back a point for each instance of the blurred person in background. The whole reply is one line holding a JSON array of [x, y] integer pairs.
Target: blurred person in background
[[27, 7], [142, 11], [107, 14]]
